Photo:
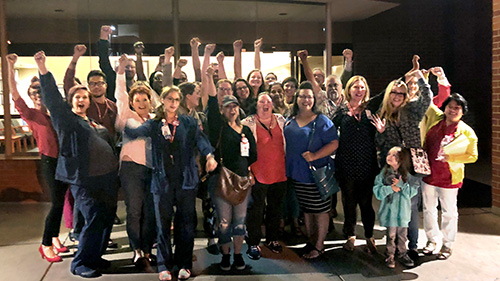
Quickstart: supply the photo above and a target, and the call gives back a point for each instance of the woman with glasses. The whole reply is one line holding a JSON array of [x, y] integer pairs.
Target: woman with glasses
[[244, 93], [311, 138], [174, 138]]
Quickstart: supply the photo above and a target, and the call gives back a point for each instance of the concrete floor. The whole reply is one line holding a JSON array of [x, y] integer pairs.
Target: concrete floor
[[475, 256]]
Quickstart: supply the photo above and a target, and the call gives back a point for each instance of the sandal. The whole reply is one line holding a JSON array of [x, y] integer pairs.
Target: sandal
[[308, 256], [184, 274], [165, 275], [444, 253]]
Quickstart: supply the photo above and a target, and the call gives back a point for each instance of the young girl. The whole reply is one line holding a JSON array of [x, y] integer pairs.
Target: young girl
[[395, 187]]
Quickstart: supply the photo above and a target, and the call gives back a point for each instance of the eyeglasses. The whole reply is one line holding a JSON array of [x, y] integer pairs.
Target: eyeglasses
[[225, 89], [398, 93], [173, 100], [305, 97], [241, 88], [99, 84]]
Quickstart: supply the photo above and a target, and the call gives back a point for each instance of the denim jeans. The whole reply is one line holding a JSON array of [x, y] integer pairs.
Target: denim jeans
[[57, 192], [273, 194], [396, 239], [136, 184], [231, 218], [414, 224]]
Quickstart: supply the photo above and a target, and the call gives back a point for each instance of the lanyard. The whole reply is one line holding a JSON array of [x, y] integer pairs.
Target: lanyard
[[357, 116]]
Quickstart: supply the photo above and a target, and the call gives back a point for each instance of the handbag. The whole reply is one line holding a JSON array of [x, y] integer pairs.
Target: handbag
[[324, 177], [231, 187], [419, 160]]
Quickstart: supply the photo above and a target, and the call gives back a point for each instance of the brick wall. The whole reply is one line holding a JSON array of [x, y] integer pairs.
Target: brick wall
[[19, 181], [495, 182]]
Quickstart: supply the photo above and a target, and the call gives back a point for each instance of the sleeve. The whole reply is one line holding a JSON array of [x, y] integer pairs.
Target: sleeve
[[122, 103], [375, 102], [26, 113], [253, 146], [408, 189], [69, 80], [105, 65], [380, 139], [419, 108], [60, 111], [346, 75], [471, 154], [329, 131], [202, 141], [214, 119], [337, 117], [443, 92], [379, 189], [145, 130]]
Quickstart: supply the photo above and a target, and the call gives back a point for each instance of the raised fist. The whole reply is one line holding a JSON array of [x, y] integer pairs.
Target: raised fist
[[195, 42], [40, 57], [79, 50], [11, 59], [437, 71], [106, 31], [182, 62], [169, 52], [302, 54], [238, 44], [258, 43], [139, 47], [347, 53], [209, 48], [220, 57]]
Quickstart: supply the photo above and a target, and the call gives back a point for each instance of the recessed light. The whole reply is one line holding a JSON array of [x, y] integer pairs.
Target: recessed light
[[283, 14], [58, 10]]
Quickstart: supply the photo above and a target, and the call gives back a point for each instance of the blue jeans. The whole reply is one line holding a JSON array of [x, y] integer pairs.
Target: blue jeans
[[414, 224], [136, 184], [96, 199], [231, 218]]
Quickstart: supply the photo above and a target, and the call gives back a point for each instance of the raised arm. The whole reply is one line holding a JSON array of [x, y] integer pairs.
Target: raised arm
[[195, 55], [104, 63], [209, 49], [348, 70], [69, 76], [443, 84], [167, 67], [11, 60], [222, 70], [237, 45], [122, 101], [139, 68], [257, 45], [302, 54], [178, 70]]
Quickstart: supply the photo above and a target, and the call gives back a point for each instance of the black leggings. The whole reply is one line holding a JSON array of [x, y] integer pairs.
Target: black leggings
[[57, 192], [358, 192]]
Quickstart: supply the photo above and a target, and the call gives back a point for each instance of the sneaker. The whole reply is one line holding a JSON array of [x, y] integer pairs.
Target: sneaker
[[275, 247], [349, 244], [413, 254], [253, 252], [112, 245], [444, 253], [389, 262], [239, 263], [225, 263], [213, 248], [370, 245], [184, 274], [406, 260], [429, 248]]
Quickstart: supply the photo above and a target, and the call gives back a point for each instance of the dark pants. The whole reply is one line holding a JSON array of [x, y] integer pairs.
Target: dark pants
[[274, 194], [358, 192], [136, 184], [57, 192], [184, 226], [96, 200], [414, 224], [208, 208]]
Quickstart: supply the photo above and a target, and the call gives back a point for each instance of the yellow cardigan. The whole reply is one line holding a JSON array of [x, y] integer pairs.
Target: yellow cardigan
[[456, 161]]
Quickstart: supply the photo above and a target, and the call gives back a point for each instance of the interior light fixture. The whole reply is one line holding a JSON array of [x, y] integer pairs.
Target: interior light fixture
[[58, 10]]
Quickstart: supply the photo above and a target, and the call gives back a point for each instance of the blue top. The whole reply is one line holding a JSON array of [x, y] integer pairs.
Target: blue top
[[395, 208], [189, 136], [297, 142]]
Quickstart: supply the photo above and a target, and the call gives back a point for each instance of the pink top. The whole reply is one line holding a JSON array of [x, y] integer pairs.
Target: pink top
[[133, 149], [270, 165], [40, 124]]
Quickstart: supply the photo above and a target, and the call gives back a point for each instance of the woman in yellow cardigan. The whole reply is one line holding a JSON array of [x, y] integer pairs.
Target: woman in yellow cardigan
[[450, 143]]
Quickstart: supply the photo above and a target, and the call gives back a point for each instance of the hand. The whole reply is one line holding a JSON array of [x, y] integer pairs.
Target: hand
[[437, 71], [11, 59], [445, 158], [122, 63], [309, 156], [394, 186], [302, 54], [252, 178], [139, 47], [379, 124], [209, 48], [238, 44], [258, 43], [210, 70], [195, 42], [105, 32], [211, 164], [416, 73], [169, 52], [161, 59], [181, 63], [79, 50], [215, 66], [416, 64], [40, 58], [348, 53], [220, 57]]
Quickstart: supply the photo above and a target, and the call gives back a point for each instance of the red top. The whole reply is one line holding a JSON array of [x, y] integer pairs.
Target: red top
[[270, 165], [440, 171], [40, 124], [104, 114]]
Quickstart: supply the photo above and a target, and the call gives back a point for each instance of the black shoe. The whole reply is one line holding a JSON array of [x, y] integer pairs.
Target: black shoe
[[413, 254], [253, 252], [213, 249], [152, 260], [112, 244], [73, 237], [117, 220], [225, 263], [239, 263], [274, 246], [86, 272]]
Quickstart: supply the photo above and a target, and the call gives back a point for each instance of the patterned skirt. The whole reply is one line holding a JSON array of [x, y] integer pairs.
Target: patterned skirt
[[309, 198]]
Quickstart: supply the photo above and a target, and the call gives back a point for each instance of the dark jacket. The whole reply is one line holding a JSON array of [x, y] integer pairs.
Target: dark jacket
[[189, 135]]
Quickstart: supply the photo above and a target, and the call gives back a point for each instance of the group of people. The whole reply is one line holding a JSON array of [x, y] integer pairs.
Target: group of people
[[174, 137]]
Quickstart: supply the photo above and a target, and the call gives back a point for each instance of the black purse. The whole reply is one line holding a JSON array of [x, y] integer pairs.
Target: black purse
[[324, 177]]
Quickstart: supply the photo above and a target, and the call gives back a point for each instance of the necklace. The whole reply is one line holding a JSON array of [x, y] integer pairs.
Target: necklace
[[99, 111], [351, 110]]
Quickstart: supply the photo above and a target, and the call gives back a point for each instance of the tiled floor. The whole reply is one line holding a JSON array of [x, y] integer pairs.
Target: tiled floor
[[475, 256]]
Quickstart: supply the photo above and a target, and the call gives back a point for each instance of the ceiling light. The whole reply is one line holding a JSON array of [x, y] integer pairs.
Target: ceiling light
[[58, 10], [283, 14]]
